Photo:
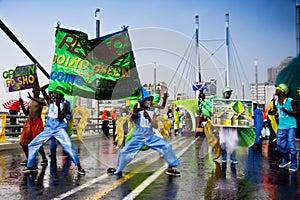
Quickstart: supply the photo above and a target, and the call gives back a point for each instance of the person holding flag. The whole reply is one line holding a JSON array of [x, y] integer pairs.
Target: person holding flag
[[56, 125], [228, 135]]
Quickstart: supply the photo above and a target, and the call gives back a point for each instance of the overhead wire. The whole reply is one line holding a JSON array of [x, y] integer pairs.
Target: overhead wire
[[237, 69], [179, 64]]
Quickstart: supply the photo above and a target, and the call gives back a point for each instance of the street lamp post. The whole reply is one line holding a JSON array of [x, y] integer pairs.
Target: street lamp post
[[243, 89], [97, 16], [154, 89], [256, 81]]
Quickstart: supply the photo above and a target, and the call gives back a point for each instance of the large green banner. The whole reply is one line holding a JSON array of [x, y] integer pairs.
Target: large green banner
[[101, 68]]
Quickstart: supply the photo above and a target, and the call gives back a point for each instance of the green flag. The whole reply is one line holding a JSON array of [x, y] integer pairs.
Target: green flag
[[102, 68]]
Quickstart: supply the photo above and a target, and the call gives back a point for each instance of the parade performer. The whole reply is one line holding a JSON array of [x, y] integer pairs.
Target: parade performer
[[145, 120], [228, 135], [176, 121], [205, 108], [171, 118], [56, 125], [287, 112], [258, 125], [271, 123], [53, 141], [245, 136], [163, 123], [34, 124]]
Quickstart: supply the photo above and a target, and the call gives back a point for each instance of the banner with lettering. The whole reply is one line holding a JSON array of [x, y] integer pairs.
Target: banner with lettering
[[21, 78], [102, 68]]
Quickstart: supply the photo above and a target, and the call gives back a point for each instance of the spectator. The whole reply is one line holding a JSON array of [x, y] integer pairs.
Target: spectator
[[14, 109], [114, 119], [105, 123], [258, 125]]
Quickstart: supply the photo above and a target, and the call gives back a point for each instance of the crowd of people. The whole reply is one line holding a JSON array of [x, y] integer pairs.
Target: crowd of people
[[279, 118], [277, 123]]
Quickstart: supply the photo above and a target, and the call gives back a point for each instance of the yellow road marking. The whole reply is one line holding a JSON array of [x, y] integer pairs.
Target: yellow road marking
[[102, 193]]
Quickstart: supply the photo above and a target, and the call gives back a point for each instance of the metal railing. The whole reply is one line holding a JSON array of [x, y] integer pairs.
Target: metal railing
[[92, 125]]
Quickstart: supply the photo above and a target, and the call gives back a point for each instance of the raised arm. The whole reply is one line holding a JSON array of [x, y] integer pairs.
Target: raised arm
[[25, 111], [163, 105], [46, 96], [40, 101]]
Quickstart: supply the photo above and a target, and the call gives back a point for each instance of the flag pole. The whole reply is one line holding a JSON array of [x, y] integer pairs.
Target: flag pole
[[15, 40], [197, 50], [227, 78]]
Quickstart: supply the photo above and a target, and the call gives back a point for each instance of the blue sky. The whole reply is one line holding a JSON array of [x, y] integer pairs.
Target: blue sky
[[261, 30]]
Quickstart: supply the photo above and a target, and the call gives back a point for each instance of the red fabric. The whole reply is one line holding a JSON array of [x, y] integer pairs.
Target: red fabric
[[31, 129], [265, 114], [15, 106], [105, 115], [9, 103], [113, 115]]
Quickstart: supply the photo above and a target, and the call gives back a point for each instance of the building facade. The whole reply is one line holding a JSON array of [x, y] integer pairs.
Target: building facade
[[257, 92], [274, 71], [157, 88]]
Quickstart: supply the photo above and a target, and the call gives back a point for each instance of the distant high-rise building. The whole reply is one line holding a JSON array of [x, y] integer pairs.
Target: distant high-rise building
[[274, 71]]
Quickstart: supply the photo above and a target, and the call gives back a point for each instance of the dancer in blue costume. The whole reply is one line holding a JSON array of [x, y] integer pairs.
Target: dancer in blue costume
[[144, 136], [56, 125]]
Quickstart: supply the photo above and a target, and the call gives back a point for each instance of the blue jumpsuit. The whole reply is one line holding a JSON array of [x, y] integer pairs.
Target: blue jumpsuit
[[258, 124], [54, 129], [144, 136]]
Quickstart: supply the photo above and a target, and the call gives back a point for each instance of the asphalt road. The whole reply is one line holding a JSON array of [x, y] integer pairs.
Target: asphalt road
[[257, 175]]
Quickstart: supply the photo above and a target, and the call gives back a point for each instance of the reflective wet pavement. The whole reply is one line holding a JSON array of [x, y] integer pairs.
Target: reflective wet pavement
[[257, 176]]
